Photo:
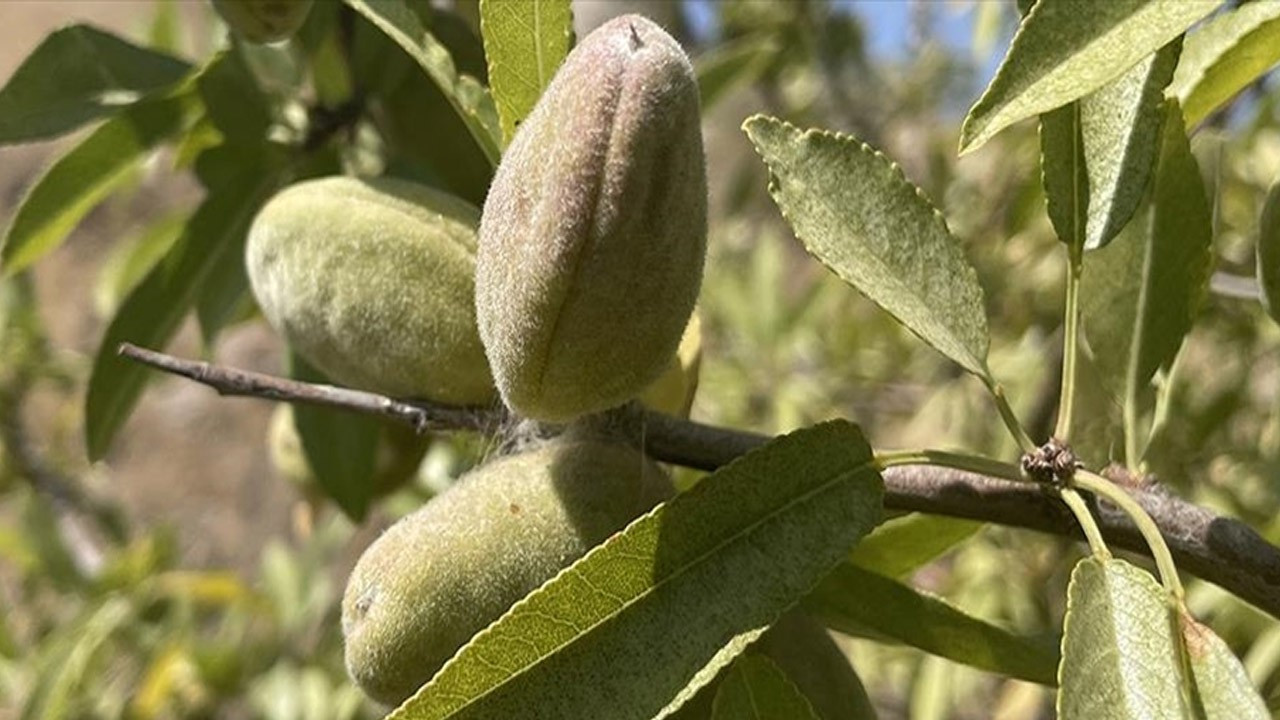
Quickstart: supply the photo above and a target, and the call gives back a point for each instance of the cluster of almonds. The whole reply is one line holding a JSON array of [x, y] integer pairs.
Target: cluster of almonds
[[567, 296]]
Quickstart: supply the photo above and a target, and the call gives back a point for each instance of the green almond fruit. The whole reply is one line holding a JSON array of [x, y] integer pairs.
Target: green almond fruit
[[263, 21], [594, 231], [445, 572], [372, 282]]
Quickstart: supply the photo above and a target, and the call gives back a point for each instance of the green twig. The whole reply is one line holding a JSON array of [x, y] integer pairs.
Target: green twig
[[957, 461], [1090, 526], [1115, 495], [1071, 342], [1010, 420]]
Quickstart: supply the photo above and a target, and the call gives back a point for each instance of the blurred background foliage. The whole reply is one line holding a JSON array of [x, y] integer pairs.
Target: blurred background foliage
[[166, 582]]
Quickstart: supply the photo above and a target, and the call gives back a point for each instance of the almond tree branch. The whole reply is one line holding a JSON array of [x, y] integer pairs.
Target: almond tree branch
[[1221, 550]]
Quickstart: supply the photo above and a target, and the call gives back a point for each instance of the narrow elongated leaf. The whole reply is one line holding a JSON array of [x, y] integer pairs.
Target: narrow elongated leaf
[[624, 629], [1120, 660], [854, 600], [857, 214], [87, 175], [726, 66], [1064, 173], [1269, 252], [469, 98], [524, 43], [755, 688], [1223, 688], [76, 75], [132, 259], [903, 545], [340, 447], [1066, 49], [154, 310], [1141, 293], [1224, 57]]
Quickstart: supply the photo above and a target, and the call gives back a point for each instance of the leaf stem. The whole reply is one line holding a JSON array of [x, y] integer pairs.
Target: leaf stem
[[1115, 495], [1092, 533], [957, 461], [1010, 420], [1071, 343]]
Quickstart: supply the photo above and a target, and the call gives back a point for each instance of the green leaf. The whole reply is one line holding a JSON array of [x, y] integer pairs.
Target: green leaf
[[1119, 657], [1141, 293], [1223, 688], [1066, 49], [755, 688], [1063, 173], [132, 259], [524, 43], [152, 313], [96, 75], [88, 174], [624, 629], [1269, 252], [234, 102], [1224, 57], [900, 546], [340, 447], [728, 65], [469, 98], [853, 600], [857, 214]]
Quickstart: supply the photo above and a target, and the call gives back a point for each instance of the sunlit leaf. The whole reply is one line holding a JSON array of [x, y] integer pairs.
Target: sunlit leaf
[[1141, 293], [97, 74], [756, 689], [524, 42], [904, 544], [1269, 252], [1120, 660], [88, 174], [854, 600], [621, 631], [857, 214], [1224, 57], [1066, 49], [469, 98], [1223, 688]]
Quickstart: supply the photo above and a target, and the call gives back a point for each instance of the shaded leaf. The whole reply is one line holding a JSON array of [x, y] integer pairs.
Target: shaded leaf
[[1063, 173], [233, 100], [524, 43], [1269, 252], [1224, 57], [623, 630], [469, 98], [1119, 657], [857, 214], [853, 600], [755, 688], [131, 259], [904, 544], [1066, 49], [97, 75], [1141, 293], [733, 63], [87, 175], [340, 447], [1223, 688], [154, 310]]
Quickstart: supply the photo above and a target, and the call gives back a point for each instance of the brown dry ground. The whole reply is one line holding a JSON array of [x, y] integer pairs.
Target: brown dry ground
[[186, 459]]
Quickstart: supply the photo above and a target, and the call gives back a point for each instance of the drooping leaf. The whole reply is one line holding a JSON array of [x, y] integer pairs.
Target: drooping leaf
[[524, 43], [1223, 688], [857, 214], [340, 447], [132, 259], [755, 688], [233, 101], [1120, 660], [1224, 57], [76, 75], [903, 545], [1066, 49], [1064, 174], [154, 310], [621, 631], [853, 600], [1269, 252], [1141, 293], [726, 66], [88, 174], [469, 98]]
